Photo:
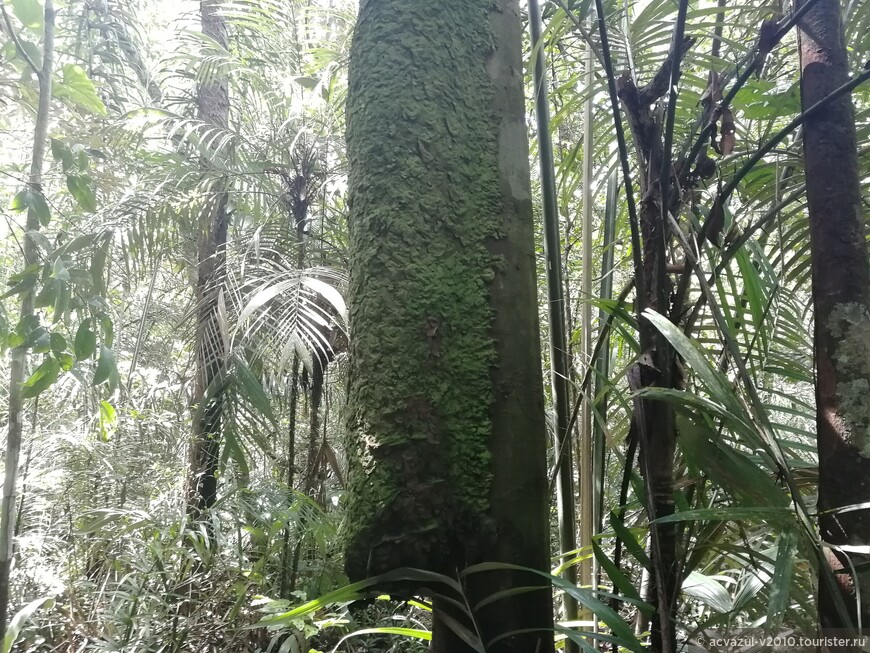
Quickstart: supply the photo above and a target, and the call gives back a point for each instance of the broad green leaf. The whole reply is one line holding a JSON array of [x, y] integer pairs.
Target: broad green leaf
[[85, 340], [731, 469], [629, 540], [721, 389], [233, 450], [83, 193], [585, 597], [709, 590], [357, 590], [42, 378], [76, 86], [252, 388], [783, 571], [731, 513], [617, 577], [106, 367], [20, 618], [29, 12]]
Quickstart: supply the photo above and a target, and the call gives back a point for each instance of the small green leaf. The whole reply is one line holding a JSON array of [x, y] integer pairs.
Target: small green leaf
[[11, 53], [108, 330], [108, 420], [38, 340], [41, 379], [85, 340], [106, 367], [78, 87], [62, 153], [80, 188], [48, 295], [21, 283], [30, 199], [59, 270], [29, 12], [58, 344], [66, 361], [41, 241], [307, 82]]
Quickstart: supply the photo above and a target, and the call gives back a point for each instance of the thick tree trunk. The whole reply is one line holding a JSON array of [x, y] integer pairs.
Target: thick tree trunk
[[841, 297], [18, 364], [213, 109], [447, 440]]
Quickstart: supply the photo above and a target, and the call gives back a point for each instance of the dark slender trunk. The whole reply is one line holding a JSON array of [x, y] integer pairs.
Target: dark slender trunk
[[841, 297], [210, 349], [291, 473], [653, 421], [312, 460]]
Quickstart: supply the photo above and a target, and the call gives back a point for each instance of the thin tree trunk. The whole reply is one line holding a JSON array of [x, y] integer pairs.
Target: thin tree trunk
[[841, 297], [213, 109], [557, 308], [291, 473], [587, 527], [312, 460], [18, 365]]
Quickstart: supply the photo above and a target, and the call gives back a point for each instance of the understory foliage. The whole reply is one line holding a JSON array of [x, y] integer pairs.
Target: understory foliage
[[107, 557]]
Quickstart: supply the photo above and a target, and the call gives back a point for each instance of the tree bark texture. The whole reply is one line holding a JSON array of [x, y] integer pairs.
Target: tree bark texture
[[447, 439], [841, 297], [213, 108]]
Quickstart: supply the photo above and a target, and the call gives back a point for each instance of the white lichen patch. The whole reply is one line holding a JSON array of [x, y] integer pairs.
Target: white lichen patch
[[849, 324]]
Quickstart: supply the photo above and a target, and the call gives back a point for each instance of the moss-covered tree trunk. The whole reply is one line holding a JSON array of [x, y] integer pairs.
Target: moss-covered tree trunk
[[447, 439], [841, 296]]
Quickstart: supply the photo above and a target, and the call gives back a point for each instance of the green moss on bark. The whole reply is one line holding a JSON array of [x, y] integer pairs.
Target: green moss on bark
[[425, 201]]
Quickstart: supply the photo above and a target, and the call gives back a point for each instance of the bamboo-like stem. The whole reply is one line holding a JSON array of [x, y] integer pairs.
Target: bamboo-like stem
[[602, 359], [586, 467], [556, 304]]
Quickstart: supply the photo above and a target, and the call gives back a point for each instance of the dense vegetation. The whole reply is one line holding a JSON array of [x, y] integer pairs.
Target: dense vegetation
[[261, 317]]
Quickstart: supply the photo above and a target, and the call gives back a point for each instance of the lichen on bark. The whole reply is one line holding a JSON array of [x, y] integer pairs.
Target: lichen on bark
[[424, 203]]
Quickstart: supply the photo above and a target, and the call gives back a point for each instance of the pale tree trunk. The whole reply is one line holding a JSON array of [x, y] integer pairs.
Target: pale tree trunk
[[841, 297], [586, 467], [18, 365], [558, 314], [213, 108], [447, 439]]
